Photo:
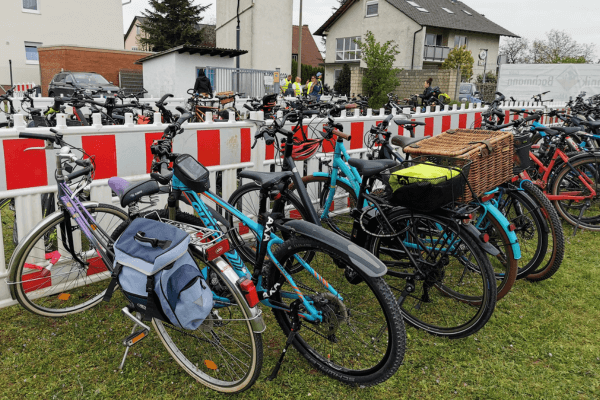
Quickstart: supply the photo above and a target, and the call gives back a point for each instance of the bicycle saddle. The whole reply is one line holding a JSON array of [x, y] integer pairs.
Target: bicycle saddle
[[407, 122], [567, 129], [266, 180], [368, 168], [130, 192], [549, 131], [35, 110], [404, 141], [591, 124]]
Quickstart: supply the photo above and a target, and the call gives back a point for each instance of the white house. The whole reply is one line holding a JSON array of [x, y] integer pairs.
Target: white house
[[425, 31], [175, 70], [265, 31], [29, 24]]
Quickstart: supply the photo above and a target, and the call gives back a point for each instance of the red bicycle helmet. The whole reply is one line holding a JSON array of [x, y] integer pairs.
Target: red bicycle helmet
[[305, 149]]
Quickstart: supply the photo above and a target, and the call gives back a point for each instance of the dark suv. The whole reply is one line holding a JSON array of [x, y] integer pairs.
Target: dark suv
[[65, 82]]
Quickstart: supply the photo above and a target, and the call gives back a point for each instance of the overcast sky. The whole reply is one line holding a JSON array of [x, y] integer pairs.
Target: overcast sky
[[527, 18]]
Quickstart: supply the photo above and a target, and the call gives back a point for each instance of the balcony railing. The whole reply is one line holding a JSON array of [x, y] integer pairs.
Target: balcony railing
[[435, 53]]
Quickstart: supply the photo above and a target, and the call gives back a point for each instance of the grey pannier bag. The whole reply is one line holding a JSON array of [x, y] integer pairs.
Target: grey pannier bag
[[159, 276]]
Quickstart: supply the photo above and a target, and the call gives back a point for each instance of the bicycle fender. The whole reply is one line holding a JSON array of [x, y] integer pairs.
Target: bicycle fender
[[361, 258], [487, 247], [514, 241]]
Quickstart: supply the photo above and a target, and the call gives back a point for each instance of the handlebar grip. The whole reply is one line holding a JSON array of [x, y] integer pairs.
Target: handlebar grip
[[77, 174], [184, 117], [27, 135], [162, 99], [341, 134], [532, 118], [248, 107], [83, 163]]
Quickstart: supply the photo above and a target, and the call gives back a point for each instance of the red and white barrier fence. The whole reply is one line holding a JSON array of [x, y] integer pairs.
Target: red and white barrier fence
[[124, 150]]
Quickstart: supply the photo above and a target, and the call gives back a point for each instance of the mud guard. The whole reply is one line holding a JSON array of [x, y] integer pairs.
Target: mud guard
[[487, 247], [361, 258]]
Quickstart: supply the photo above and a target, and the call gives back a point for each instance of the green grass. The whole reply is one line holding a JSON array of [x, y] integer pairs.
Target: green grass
[[543, 341]]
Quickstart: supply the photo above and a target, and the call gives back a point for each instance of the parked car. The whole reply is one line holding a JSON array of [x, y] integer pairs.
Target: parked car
[[468, 92], [65, 83]]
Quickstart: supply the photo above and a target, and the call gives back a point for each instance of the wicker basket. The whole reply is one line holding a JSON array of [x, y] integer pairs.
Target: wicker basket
[[224, 94], [491, 153]]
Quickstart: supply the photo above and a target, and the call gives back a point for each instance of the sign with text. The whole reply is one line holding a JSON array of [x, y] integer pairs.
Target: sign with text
[[522, 81]]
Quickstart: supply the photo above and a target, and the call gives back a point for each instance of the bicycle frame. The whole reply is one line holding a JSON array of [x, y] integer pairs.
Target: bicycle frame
[[546, 170], [234, 259]]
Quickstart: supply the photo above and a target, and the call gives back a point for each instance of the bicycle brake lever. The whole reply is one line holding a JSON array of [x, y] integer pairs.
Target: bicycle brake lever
[[42, 148]]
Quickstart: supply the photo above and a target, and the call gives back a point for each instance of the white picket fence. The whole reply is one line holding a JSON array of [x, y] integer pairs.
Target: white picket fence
[[230, 140]]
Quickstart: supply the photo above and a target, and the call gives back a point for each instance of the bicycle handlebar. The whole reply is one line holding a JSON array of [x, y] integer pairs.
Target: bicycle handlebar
[[28, 135], [77, 174]]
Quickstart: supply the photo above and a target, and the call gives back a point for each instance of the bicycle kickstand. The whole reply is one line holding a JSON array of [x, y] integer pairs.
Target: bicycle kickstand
[[136, 335], [585, 207], [295, 306]]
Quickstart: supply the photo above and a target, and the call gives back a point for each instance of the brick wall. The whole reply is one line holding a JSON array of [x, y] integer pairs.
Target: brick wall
[[106, 62], [411, 82]]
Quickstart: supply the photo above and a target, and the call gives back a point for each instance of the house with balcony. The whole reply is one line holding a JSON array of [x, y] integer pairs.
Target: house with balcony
[[424, 30]]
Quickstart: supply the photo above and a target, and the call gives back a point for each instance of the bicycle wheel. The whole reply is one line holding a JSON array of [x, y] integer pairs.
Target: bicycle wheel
[[246, 199], [361, 340], [531, 228], [45, 277], [449, 261], [582, 213], [223, 353], [505, 265], [556, 248], [339, 219]]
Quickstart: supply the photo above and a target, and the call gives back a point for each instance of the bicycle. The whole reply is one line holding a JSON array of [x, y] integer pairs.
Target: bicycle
[[328, 321], [422, 256], [60, 268]]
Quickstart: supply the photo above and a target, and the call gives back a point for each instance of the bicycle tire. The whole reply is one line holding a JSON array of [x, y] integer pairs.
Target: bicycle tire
[[245, 199], [30, 281], [590, 221], [198, 370], [552, 263], [364, 367], [531, 228], [468, 258], [318, 190]]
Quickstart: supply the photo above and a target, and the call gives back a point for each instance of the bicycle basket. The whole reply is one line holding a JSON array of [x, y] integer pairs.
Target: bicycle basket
[[426, 183], [491, 153], [226, 100], [521, 156]]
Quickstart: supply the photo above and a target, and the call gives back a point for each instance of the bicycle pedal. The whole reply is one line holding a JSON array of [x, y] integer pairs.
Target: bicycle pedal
[[135, 337]]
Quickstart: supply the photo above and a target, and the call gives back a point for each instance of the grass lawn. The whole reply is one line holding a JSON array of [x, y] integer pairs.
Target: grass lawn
[[543, 341]]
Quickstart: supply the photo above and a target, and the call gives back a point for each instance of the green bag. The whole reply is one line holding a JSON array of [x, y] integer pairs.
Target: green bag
[[426, 172]]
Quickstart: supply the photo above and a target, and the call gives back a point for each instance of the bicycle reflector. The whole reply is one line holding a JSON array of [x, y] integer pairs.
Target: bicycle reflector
[[249, 291], [512, 227], [217, 250]]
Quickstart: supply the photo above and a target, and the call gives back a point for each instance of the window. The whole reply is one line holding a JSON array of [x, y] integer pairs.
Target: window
[[89, 78], [422, 9], [31, 6], [336, 74], [448, 11], [295, 57], [468, 13], [134, 48], [346, 49], [69, 79], [460, 41], [60, 78], [138, 30], [412, 3], [31, 53], [372, 8], [433, 40]]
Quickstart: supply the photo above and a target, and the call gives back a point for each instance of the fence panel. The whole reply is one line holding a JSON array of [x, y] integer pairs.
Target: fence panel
[[251, 82]]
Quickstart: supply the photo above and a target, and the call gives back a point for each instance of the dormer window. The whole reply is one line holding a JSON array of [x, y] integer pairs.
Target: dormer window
[[372, 8]]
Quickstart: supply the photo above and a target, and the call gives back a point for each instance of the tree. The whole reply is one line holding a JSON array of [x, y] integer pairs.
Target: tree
[[516, 50], [560, 47], [306, 71], [490, 77], [342, 84], [380, 77], [171, 23], [460, 57]]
